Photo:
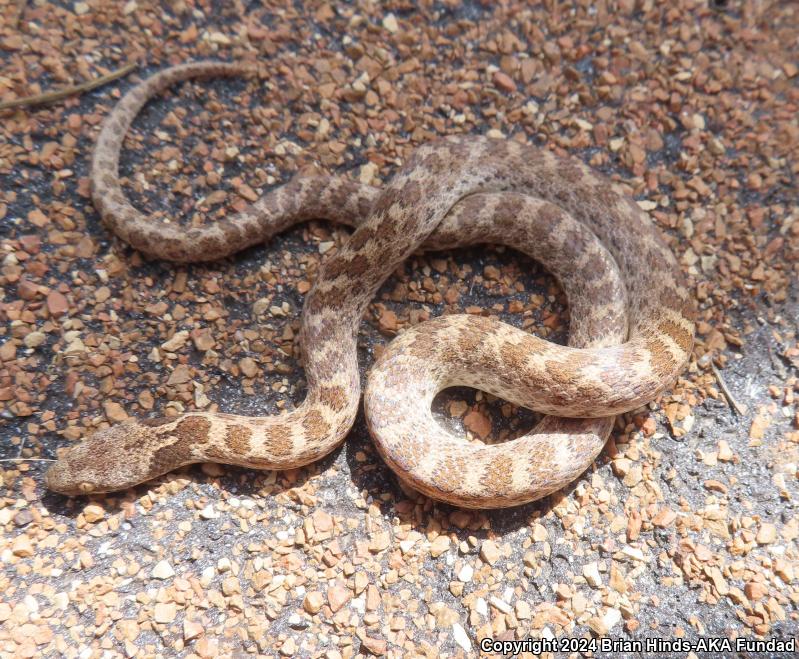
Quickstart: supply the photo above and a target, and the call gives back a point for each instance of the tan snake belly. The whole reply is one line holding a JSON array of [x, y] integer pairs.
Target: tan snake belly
[[631, 332]]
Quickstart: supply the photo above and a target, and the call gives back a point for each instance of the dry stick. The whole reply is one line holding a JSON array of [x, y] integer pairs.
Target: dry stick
[[51, 97], [27, 460], [19, 458], [741, 410]]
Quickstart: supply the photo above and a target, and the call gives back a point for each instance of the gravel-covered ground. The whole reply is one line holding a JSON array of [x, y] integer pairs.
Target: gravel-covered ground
[[685, 528]]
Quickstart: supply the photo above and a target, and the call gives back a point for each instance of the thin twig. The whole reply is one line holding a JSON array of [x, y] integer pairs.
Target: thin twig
[[27, 460], [51, 97], [741, 410]]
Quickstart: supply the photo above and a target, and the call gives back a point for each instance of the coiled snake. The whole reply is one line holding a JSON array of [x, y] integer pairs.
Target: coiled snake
[[631, 330]]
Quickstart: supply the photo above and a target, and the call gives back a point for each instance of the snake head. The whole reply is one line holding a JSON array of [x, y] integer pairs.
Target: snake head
[[104, 462]]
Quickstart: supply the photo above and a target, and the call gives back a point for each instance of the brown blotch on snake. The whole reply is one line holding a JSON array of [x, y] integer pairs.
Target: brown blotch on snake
[[450, 193], [280, 440], [334, 397], [193, 429], [499, 473], [237, 438], [315, 425]]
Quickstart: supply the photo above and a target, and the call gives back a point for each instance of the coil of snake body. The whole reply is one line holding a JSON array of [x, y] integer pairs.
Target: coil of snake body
[[631, 329]]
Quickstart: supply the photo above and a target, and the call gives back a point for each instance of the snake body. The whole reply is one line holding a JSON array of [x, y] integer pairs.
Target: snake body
[[631, 329]]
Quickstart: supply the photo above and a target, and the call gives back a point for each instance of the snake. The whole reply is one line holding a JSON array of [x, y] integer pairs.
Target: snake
[[631, 318]]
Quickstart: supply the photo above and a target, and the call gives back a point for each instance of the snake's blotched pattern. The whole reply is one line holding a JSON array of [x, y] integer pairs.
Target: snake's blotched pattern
[[631, 331]]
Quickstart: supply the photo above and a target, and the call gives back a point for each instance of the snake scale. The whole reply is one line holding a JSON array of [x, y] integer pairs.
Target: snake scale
[[631, 333]]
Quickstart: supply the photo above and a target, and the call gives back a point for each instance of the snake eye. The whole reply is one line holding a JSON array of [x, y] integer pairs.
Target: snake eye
[[86, 488]]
